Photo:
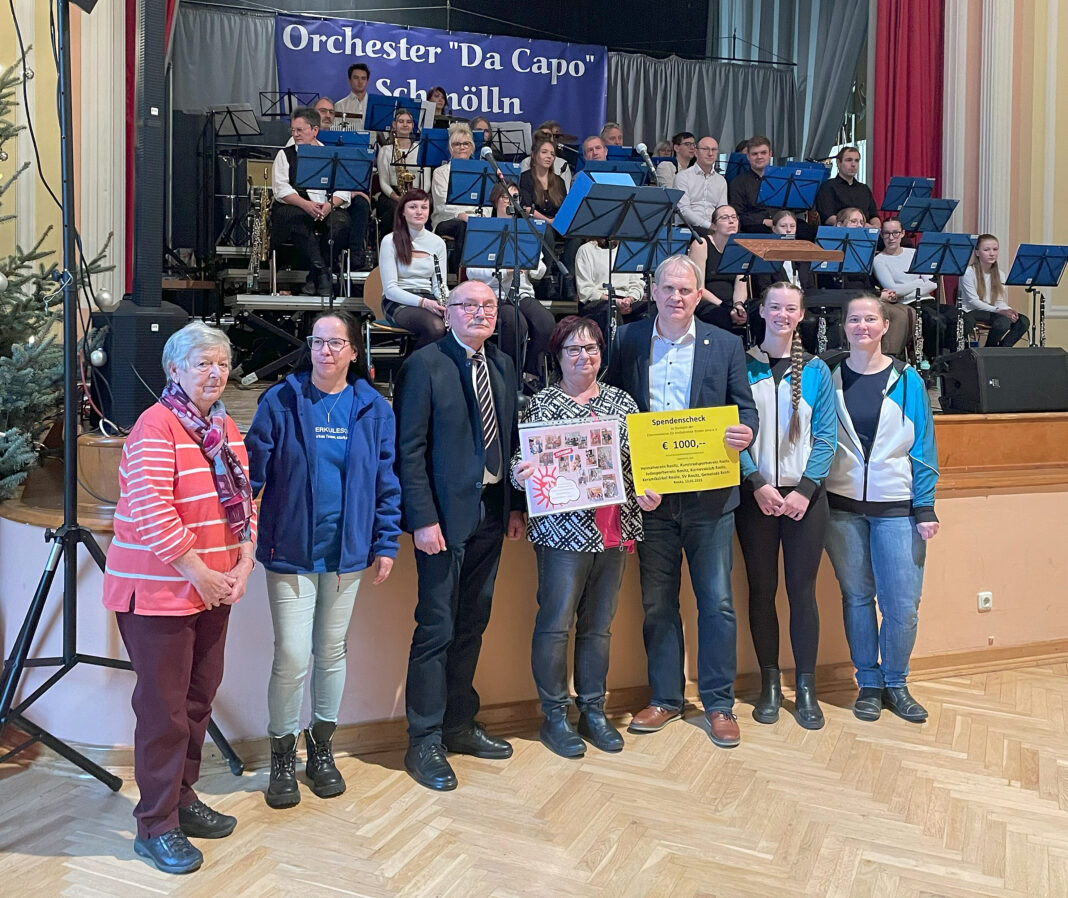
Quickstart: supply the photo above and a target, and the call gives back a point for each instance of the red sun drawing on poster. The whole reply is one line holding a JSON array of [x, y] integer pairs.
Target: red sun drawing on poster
[[544, 479]]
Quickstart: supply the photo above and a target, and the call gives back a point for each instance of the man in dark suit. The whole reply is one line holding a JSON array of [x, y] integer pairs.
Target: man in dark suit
[[456, 425], [666, 363]]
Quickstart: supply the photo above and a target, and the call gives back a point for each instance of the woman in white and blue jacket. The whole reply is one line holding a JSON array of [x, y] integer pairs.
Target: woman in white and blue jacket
[[321, 447], [783, 500], [882, 492]]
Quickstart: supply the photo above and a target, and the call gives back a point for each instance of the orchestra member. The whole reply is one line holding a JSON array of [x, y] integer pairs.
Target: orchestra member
[[672, 363], [783, 498], [456, 428], [984, 298], [881, 490], [684, 152], [481, 123], [355, 104], [397, 161], [744, 193], [325, 433], [325, 107], [800, 274], [723, 296], [412, 264], [541, 189], [440, 99], [593, 264], [704, 188], [552, 132], [450, 219], [317, 223], [845, 190], [593, 149], [181, 557], [581, 554], [612, 134], [534, 320]]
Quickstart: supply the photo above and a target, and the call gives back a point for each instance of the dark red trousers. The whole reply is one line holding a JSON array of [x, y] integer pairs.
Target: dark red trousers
[[179, 665]]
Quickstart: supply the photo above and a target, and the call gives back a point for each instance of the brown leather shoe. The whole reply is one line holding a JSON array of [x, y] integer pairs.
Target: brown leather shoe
[[653, 719], [723, 728]]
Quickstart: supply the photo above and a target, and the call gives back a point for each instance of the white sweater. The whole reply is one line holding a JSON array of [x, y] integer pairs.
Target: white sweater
[[592, 264], [403, 283], [892, 274], [969, 295]]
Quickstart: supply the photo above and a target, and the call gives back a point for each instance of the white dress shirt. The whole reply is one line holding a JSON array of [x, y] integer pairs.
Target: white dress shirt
[[702, 194], [671, 370]]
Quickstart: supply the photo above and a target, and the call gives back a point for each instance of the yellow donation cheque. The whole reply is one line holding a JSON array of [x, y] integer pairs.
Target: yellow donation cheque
[[683, 451]]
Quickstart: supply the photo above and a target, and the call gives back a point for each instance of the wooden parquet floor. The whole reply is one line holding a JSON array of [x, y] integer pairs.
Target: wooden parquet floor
[[975, 802]]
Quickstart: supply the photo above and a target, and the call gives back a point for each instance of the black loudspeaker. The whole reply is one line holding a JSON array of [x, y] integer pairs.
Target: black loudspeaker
[[132, 377], [995, 380]]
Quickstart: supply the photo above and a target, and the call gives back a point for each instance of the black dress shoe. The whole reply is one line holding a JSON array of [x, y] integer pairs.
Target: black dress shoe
[[766, 709], [809, 714], [201, 822], [324, 284], [309, 288], [474, 740], [900, 701], [869, 703], [594, 727], [559, 736], [428, 766], [171, 852]]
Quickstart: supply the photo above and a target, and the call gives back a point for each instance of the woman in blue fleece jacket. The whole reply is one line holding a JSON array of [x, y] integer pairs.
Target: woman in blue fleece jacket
[[881, 489], [783, 498], [321, 447]]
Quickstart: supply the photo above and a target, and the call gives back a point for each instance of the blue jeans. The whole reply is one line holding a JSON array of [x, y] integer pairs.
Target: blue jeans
[[311, 615], [570, 584], [878, 557], [678, 525]]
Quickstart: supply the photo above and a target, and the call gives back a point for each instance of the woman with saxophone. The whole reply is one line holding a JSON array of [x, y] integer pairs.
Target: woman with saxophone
[[397, 169]]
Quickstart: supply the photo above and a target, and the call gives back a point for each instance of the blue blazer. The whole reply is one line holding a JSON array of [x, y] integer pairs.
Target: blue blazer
[[440, 456], [719, 378]]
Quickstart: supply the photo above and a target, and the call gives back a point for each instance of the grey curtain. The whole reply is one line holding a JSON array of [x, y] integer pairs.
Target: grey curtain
[[824, 37], [655, 98], [222, 57]]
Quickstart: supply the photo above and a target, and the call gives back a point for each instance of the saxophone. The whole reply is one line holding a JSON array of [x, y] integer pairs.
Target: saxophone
[[260, 200], [405, 178]]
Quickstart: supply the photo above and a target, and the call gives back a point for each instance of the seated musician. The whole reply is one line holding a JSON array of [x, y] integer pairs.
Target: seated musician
[[744, 191], [983, 296], [354, 106], [398, 170], [317, 223], [481, 123], [723, 296], [541, 189], [891, 270], [612, 134], [450, 219], [325, 107], [593, 263], [704, 189], [593, 149], [901, 317], [533, 319], [844, 190], [411, 261], [551, 131], [440, 99], [800, 274], [683, 153]]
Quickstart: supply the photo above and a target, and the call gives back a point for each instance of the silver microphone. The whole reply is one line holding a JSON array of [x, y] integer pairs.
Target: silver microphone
[[643, 151], [487, 156]]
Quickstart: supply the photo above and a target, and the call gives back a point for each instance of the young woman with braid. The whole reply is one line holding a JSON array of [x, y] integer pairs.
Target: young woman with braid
[[783, 500]]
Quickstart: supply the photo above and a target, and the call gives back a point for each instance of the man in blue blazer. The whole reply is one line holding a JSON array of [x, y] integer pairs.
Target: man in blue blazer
[[456, 425], [669, 362]]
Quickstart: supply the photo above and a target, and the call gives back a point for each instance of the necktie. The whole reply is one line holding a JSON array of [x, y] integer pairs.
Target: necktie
[[491, 440]]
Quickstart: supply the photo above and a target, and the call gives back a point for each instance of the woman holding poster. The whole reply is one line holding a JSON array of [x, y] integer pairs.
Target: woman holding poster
[[581, 554]]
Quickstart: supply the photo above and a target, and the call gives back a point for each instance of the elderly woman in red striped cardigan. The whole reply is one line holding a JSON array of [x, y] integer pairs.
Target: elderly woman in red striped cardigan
[[181, 556]]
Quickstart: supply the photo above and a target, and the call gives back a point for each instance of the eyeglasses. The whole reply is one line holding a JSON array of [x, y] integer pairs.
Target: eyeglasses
[[575, 351], [688, 143], [708, 149], [892, 234], [461, 143], [335, 344], [473, 308], [205, 367], [726, 217]]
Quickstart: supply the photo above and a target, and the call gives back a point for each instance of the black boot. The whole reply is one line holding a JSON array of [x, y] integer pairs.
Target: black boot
[[595, 727], [282, 792], [766, 709], [809, 714], [559, 736], [899, 700], [326, 781]]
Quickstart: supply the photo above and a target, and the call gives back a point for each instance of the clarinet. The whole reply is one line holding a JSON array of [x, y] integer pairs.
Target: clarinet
[[1041, 318], [960, 326], [917, 332], [439, 282]]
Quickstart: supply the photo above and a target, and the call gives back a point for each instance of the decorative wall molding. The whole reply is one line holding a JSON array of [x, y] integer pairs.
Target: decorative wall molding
[[995, 116]]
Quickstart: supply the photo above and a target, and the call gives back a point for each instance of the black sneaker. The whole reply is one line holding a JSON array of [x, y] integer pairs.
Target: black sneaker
[[201, 822], [171, 852]]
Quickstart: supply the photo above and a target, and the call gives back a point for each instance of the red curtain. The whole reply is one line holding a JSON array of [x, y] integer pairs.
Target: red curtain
[[907, 121], [131, 117]]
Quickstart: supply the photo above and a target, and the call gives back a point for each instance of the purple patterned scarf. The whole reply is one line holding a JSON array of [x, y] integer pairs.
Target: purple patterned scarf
[[235, 492]]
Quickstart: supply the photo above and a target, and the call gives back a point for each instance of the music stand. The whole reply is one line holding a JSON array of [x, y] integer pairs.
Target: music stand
[[510, 140], [1037, 265], [345, 138], [791, 186], [281, 104], [381, 111], [331, 169], [636, 171], [433, 147], [470, 183], [233, 120], [938, 255], [736, 164], [643, 256], [620, 153], [857, 246], [927, 214], [901, 189], [738, 258]]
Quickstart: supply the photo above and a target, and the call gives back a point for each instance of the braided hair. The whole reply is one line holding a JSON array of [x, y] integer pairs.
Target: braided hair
[[797, 361]]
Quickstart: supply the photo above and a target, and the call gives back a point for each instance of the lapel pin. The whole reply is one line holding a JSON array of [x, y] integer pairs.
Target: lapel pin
[[706, 342]]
